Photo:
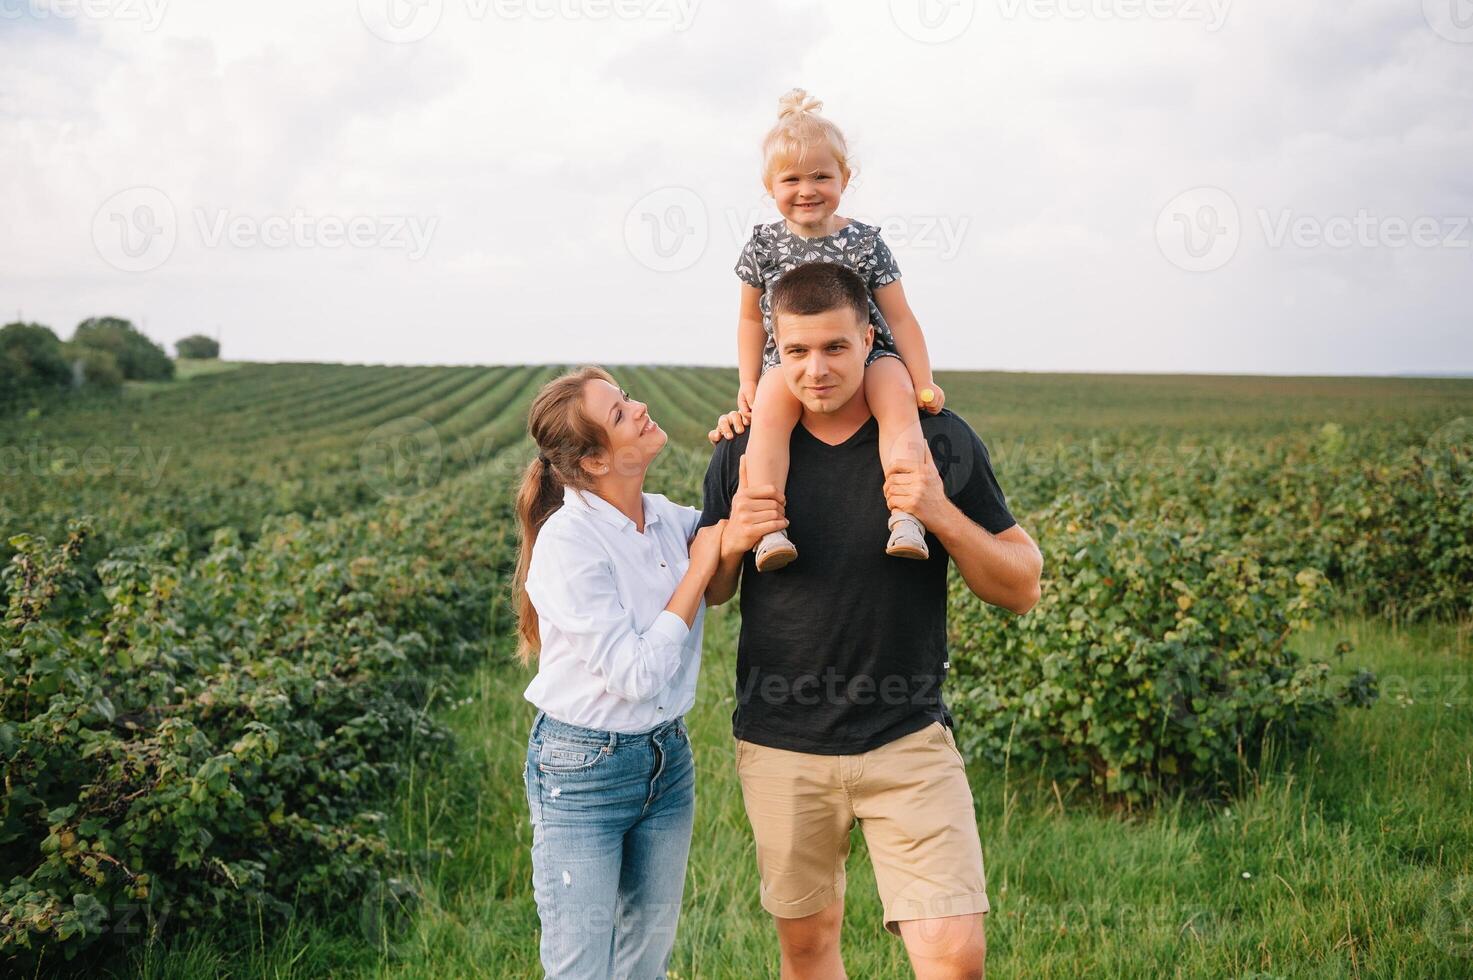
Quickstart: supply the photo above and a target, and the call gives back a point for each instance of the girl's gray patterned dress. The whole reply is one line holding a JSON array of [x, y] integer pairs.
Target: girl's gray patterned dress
[[773, 250]]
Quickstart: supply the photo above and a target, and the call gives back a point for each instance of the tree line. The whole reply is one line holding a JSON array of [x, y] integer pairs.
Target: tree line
[[102, 353]]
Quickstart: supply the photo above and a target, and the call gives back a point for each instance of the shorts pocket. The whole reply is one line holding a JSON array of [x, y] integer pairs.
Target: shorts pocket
[[559, 756], [949, 737]]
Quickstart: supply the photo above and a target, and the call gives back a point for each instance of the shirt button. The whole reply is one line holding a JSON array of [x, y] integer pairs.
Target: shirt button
[[662, 564]]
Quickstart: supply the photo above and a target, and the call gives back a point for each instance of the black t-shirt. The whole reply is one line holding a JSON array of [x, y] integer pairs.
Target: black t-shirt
[[844, 650]]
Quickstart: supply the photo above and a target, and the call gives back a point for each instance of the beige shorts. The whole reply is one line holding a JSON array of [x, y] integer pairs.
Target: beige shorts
[[911, 800]]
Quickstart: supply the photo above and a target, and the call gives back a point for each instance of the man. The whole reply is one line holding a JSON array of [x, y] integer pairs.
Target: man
[[839, 715]]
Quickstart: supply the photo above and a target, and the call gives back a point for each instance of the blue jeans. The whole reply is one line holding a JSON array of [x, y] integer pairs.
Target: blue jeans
[[611, 826]]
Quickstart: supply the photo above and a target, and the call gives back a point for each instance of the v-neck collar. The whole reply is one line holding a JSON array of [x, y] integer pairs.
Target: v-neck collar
[[855, 436]]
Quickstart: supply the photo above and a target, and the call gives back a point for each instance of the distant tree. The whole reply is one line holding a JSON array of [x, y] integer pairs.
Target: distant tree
[[139, 358], [31, 361], [198, 346]]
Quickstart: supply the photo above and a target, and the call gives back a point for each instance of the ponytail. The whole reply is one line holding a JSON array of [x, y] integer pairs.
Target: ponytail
[[564, 436]]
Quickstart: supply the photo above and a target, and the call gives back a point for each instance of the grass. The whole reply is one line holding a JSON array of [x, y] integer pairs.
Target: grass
[[1352, 859], [185, 368]]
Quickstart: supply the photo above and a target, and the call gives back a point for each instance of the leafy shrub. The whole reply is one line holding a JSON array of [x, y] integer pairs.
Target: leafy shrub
[[197, 346], [31, 362], [1159, 655], [96, 368], [139, 358], [202, 738]]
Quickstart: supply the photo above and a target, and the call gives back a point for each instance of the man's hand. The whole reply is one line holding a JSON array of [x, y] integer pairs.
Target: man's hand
[[917, 489], [728, 425], [755, 511]]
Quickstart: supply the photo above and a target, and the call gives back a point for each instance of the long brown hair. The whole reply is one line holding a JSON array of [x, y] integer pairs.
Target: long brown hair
[[564, 434]]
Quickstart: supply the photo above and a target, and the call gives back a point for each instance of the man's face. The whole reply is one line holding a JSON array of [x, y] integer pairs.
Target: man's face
[[823, 356]]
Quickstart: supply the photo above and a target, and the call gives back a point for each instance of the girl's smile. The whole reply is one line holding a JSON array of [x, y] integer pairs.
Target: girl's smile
[[807, 192]]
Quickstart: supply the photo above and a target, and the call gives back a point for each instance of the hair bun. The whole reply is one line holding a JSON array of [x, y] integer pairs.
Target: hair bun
[[796, 102]]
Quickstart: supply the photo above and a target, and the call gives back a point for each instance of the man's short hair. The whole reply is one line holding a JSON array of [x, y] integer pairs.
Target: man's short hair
[[818, 287]]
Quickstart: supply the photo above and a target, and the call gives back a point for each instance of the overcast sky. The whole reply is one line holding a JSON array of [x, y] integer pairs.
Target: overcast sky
[[1154, 185]]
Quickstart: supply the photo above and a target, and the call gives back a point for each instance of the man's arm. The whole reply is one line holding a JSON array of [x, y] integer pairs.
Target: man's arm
[[1002, 569], [754, 512]]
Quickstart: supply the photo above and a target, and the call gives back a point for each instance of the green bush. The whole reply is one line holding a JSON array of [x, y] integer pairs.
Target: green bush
[[31, 362], [188, 740], [1158, 658], [198, 346], [139, 358], [96, 368]]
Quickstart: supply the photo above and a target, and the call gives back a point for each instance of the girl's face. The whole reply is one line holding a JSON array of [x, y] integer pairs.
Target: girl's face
[[808, 192], [634, 440]]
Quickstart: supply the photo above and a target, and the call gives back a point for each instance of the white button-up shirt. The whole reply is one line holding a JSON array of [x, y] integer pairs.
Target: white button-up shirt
[[613, 658]]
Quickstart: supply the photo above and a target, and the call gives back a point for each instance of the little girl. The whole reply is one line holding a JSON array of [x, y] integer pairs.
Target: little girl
[[806, 169]]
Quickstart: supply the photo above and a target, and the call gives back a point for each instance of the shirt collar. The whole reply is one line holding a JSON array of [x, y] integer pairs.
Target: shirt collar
[[607, 512]]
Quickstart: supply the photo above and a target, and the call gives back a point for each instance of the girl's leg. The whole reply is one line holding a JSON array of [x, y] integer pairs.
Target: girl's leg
[[774, 414], [579, 818], [652, 879], [892, 399]]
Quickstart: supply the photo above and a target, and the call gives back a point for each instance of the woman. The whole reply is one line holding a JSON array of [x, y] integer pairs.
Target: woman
[[611, 594]]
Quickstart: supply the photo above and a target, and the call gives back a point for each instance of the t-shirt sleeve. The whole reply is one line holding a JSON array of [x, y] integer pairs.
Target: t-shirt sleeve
[[720, 485], [881, 269], [980, 497], [749, 263]]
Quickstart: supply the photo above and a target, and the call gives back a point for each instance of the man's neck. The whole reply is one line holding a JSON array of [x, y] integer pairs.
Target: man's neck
[[837, 426]]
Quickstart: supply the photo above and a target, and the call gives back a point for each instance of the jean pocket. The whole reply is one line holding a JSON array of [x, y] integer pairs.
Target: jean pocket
[[563, 757]]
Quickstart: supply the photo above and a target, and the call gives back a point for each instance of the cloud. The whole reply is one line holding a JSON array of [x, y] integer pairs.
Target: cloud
[[524, 132]]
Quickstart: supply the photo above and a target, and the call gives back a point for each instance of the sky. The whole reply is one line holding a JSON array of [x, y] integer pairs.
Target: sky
[[1224, 186]]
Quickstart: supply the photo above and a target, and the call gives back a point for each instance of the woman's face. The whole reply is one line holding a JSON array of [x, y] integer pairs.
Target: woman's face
[[634, 439]]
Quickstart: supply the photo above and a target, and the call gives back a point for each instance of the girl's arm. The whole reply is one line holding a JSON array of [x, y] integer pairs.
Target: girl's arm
[[909, 340], [751, 338]]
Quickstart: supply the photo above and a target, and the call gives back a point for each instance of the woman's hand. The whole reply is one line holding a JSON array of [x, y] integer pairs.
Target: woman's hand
[[705, 549], [938, 397], [746, 396]]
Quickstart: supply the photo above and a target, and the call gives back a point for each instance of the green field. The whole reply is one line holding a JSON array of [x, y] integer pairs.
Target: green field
[[374, 502]]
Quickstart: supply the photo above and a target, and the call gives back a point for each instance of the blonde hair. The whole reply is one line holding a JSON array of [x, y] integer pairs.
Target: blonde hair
[[564, 434], [798, 127]]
